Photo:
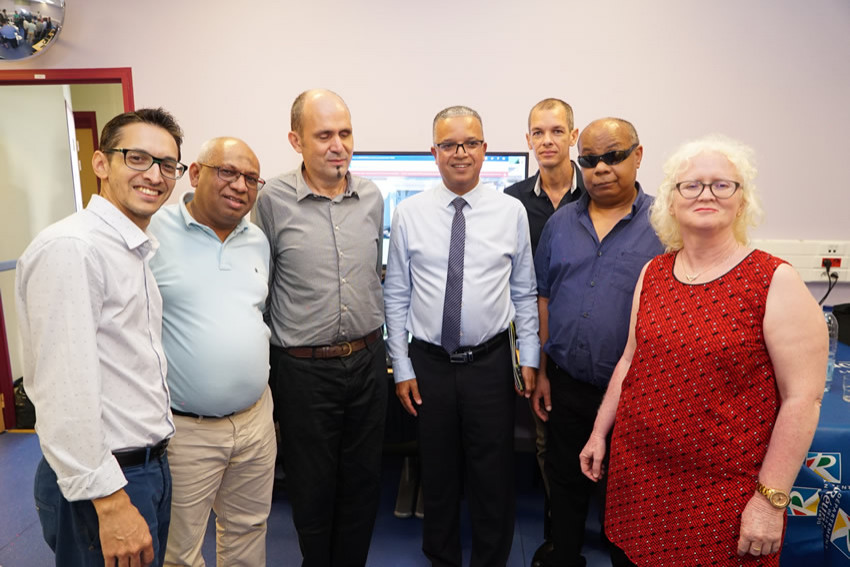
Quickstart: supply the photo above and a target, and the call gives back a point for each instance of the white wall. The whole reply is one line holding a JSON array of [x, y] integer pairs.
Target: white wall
[[36, 175], [774, 73]]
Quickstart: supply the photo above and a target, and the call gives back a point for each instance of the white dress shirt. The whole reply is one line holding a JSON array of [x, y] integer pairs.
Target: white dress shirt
[[90, 317], [498, 277]]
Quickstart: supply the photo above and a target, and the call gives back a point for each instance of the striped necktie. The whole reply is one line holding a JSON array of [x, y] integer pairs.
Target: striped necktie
[[450, 338]]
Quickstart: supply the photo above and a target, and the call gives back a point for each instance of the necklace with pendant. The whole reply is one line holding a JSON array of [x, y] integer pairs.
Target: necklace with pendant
[[691, 278]]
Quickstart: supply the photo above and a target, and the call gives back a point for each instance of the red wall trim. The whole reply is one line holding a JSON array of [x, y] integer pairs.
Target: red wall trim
[[122, 75]]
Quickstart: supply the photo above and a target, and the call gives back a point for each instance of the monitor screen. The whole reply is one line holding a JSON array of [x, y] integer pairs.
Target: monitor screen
[[401, 174]]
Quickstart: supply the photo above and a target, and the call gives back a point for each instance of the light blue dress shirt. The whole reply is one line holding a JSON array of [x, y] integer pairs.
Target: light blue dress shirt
[[498, 280], [213, 295]]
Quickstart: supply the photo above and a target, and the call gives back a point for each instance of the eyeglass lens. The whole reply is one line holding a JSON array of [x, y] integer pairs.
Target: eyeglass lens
[[139, 160]]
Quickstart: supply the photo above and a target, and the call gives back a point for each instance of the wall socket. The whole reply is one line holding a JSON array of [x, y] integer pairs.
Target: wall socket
[[808, 256]]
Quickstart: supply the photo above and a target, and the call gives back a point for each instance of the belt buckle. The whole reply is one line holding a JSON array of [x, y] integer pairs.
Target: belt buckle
[[463, 357], [350, 349]]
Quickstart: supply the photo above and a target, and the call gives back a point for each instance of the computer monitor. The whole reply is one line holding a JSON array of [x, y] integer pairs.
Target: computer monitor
[[401, 174]]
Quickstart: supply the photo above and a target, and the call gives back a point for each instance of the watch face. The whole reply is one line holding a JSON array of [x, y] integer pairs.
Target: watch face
[[779, 499]]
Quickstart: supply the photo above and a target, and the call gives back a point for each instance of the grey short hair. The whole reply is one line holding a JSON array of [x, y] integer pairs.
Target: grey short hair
[[451, 112]]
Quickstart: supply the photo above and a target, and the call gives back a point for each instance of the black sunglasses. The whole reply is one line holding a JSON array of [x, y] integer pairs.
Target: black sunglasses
[[611, 158]]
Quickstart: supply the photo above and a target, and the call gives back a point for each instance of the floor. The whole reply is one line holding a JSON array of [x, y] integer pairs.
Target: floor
[[22, 51], [396, 542]]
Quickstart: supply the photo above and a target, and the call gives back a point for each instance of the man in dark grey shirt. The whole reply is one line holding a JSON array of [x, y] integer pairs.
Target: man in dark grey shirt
[[328, 361]]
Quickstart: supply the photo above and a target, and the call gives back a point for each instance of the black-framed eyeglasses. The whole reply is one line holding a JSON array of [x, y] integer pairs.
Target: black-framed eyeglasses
[[721, 189], [231, 175], [141, 160], [453, 147], [611, 158]]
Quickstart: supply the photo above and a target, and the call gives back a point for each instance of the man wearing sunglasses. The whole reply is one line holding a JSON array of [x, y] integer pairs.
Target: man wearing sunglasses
[[212, 272], [590, 256], [90, 316]]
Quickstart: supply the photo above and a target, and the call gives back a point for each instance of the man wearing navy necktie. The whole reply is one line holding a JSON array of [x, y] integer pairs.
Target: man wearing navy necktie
[[460, 270]]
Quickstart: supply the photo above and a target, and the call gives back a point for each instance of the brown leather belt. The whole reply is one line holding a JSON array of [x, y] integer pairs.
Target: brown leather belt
[[340, 350]]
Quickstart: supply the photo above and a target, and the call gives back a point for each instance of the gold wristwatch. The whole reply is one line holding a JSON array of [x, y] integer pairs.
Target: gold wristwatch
[[777, 498]]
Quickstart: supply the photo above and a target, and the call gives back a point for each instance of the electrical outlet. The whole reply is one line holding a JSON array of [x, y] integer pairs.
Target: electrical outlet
[[833, 262], [830, 247]]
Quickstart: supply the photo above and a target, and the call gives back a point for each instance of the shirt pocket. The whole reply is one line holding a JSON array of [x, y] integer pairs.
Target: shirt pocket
[[626, 269]]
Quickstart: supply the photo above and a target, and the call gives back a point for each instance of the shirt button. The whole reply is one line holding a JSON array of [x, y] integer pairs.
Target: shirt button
[[342, 280], [345, 308], [599, 253], [585, 314], [336, 227], [593, 284]]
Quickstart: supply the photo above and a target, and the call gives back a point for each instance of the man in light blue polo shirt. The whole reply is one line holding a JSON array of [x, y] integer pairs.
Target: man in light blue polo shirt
[[213, 277]]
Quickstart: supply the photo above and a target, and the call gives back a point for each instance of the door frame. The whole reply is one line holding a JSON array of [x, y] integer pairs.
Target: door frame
[[87, 120], [121, 75]]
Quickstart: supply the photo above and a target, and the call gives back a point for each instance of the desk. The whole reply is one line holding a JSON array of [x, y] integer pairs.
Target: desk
[[818, 530]]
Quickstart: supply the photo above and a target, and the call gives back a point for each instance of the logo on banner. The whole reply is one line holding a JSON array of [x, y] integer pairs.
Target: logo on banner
[[840, 537], [804, 501], [825, 465]]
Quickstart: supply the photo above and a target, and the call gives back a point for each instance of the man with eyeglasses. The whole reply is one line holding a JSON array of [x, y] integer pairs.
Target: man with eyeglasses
[[90, 317], [590, 256], [328, 360], [212, 273], [459, 272]]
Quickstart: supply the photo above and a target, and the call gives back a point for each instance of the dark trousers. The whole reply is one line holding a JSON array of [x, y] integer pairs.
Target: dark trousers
[[332, 415], [466, 423], [71, 529], [574, 406]]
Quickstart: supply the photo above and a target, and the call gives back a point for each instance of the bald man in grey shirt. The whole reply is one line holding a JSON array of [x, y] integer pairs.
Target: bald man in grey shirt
[[328, 361], [326, 284]]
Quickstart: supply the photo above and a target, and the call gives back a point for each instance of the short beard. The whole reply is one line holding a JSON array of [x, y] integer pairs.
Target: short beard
[[339, 173]]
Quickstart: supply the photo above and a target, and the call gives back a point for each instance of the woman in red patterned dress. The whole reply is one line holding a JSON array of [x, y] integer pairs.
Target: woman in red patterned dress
[[718, 392]]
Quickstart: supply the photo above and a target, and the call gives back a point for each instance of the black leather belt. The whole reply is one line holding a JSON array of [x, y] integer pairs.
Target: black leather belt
[[195, 415], [340, 350], [136, 457], [464, 354]]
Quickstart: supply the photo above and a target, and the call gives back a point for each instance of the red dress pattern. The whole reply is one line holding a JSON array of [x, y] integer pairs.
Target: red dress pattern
[[695, 416]]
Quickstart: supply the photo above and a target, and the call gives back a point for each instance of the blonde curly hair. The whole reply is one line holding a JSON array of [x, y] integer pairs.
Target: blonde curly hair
[[742, 158]]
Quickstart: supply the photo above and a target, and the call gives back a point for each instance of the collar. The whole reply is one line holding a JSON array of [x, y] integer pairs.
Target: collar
[[445, 196], [538, 187], [133, 236], [637, 204], [302, 190], [189, 220]]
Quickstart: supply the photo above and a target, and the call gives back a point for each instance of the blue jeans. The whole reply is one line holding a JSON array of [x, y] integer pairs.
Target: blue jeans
[[71, 528]]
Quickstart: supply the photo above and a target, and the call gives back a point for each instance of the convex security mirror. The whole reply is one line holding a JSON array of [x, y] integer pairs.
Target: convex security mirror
[[29, 27]]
